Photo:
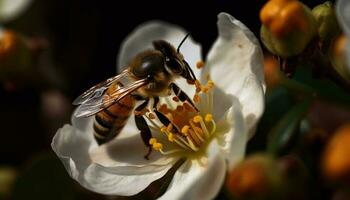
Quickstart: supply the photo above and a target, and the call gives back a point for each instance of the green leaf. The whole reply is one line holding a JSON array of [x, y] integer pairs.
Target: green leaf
[[278, 102], [285, 130]]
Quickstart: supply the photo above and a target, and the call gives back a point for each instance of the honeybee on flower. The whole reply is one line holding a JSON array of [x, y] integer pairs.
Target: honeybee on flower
[[229, 96]]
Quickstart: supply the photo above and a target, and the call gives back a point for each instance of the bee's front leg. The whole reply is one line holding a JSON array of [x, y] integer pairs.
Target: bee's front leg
[[182, 95], [162, 118], [142, 125]]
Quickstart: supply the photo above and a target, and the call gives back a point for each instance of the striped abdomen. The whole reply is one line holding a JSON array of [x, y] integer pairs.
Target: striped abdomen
[[109, 122]]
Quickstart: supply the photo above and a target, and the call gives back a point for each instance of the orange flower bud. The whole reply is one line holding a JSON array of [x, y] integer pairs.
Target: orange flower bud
[[338, 57], [8, 43], [273, 75], [287, 27], [255, 177], [282, 16], [336, 160]]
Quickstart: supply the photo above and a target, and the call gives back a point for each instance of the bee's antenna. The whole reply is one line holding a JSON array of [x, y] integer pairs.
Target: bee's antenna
[[183, 40]]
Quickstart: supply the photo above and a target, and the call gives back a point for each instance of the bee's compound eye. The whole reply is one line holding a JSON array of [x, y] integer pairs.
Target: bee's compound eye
[[174, 65]]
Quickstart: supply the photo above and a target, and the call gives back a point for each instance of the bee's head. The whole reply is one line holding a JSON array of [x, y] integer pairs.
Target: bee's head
[[174, 60]]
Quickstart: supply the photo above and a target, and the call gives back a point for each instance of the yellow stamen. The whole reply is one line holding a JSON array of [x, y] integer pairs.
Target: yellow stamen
[[210, 84], [152, 141], [205, 89], [163, 129], [208, 117], [157, 146], [198, 86], [171, 137], [196, 131], [184, 129], [197, 118], [194, 137]]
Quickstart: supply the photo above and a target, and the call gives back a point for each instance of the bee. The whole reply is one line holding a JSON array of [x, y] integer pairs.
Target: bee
[[149, 75]]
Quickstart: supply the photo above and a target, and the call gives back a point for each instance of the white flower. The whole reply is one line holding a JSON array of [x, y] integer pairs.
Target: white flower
[[227, 118], [343, 13], [10, 9]]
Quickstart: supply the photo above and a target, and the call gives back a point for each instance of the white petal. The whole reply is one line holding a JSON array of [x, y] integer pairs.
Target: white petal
[[195, 181], [343, 13], [234, 141], [10, 9], [235, 63], [141, 39], [103, 170]]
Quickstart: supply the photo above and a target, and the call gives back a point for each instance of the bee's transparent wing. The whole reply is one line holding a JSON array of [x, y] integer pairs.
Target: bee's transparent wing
[[96, 92], [95, 105]]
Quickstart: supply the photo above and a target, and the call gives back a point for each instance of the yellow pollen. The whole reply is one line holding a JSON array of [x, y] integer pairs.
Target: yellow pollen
[[157, 146], [152, 141], [197, 119], [171, 137], [196, 98], [163, 129], [198, 86], [208, 117], [205, 89], [200, 64], [210, 84], [184, 129]]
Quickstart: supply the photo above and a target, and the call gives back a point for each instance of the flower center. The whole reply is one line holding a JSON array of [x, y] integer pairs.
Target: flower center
[[188, 131]]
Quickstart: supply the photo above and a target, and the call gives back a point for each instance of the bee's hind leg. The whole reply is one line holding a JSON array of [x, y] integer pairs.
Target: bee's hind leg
[[142, 125]]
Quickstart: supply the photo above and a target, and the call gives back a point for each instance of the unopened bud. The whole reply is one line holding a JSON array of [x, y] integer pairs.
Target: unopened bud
[[255, 177], [287, 27], [272, 72], [15, 57], [328, 27], [338, 57], [336, 160]]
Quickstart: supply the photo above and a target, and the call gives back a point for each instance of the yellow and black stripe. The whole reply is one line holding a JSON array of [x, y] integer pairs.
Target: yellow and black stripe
[[109, 122]]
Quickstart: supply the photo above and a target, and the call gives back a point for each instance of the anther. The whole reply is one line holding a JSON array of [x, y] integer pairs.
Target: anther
[[210, 84], [208, 117], [184, 129], [200, 64], [198, 86], [197, 119], [163, 129], [152, 141], [196, 98], [157, 146], [171, 137]]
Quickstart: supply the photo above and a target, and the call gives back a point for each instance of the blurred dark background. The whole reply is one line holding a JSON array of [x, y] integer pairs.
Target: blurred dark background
[[83, 38]]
